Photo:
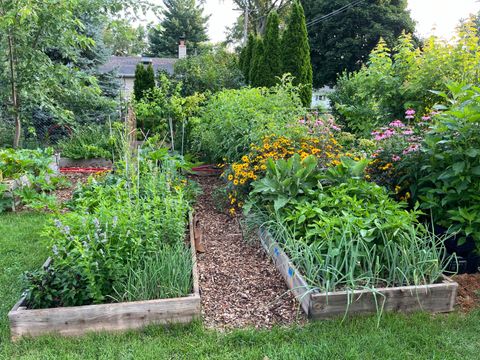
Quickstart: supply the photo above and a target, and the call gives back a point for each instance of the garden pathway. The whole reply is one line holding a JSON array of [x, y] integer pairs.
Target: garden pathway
[[239, 285]]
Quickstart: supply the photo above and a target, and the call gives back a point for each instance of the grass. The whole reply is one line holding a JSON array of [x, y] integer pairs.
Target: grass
[[419, 336]]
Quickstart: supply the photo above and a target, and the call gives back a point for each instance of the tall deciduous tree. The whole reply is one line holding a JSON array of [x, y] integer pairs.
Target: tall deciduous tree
[[181, 18], [271, 63], [296, 52], [343, 41], [123, 39]]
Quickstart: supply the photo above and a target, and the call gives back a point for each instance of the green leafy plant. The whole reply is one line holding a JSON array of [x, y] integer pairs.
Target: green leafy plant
[[449, 179]]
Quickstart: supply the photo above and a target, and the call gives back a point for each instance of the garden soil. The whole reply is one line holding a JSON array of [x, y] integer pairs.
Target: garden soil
[[239, 285], [468, 297]]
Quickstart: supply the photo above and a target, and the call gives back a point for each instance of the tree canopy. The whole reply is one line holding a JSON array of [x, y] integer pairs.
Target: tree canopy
[[181, 18], [343, 41], [122, 39]]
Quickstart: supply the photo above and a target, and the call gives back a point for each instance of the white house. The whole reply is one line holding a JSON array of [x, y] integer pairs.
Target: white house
[[320, 98]]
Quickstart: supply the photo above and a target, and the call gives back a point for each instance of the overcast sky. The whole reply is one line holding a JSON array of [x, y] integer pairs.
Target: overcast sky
[[441, 15]]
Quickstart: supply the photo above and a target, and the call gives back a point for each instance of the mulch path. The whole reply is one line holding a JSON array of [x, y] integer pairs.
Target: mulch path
[[239, 284], [468, 296], [74, 178]]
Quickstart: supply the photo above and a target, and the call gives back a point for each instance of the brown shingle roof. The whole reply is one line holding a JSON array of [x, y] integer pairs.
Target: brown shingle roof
[[125, 65]]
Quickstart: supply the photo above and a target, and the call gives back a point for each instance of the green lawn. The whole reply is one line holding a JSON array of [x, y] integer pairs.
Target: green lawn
[[420, 336]]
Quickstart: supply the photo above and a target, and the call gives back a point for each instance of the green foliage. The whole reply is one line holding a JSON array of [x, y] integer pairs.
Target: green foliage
[[342, 42], [212, 71], [255, 75], [144, 81], [181, 18], [33, 175], [449, 178], [403, 78], [247, 61], [116, 225], [296, 53], [171, 265], [89, 142], [343, 234], [123, 39], [271, 63], [233, 119]]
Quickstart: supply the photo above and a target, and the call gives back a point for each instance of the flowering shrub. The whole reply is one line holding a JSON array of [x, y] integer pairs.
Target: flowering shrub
[[398, 146]]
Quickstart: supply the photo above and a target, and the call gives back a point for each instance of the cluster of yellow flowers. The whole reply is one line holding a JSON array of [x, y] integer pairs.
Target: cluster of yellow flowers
[[239, 175]]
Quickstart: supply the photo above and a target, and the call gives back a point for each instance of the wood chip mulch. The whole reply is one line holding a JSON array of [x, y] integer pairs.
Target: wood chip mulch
[[468, 296], [74, 178], [239, 285]]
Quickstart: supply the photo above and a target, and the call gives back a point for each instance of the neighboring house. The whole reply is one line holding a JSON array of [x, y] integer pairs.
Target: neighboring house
[[125, 68], [320, 98]]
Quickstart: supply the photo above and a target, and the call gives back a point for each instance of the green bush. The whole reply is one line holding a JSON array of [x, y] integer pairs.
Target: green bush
[[394, 81], [92, 141], [234, 119], [449, 179]]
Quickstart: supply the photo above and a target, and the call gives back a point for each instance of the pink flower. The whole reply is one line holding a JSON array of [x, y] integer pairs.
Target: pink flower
[[396, 158], [411, 148], [397, 123], [426, 118], [301, 121], [408, 132], [410, 114]]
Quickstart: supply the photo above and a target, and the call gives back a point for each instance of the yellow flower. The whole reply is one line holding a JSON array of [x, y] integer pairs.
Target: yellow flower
[[397, 189], [230, 177], [242, 181], [235, 182], [232, 211]]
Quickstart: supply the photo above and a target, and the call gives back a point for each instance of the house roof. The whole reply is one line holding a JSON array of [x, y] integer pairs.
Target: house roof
[[125, 65]]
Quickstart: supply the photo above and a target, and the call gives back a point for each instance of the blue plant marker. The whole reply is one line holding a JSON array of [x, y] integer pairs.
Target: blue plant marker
[[276, 251], [290, 271]]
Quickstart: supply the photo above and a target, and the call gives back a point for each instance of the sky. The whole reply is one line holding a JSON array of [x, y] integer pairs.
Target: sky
[[437, 17]]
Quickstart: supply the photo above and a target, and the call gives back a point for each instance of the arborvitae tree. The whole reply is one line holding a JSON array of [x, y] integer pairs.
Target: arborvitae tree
[[149, 77], [296, 52], [139, 82], [181, 18], [255, 67], [247, 61], [271, 63]]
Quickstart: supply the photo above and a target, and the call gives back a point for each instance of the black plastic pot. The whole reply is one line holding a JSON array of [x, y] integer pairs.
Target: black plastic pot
[[451, 244], [473, 263]]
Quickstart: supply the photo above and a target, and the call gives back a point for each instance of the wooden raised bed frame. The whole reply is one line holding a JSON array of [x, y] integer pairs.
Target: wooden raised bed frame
[[79, 320], [434, 298]]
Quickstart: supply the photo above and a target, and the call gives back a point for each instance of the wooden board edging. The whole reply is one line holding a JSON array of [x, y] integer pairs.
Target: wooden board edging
[[435, 298], [79, 320]]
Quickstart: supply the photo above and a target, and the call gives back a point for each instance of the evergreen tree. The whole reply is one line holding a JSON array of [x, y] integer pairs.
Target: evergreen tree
[[139, 82], [181, 18], [296, 52], [247, 61], [149, 78], [255, 67], [342, 42], [270, 63]]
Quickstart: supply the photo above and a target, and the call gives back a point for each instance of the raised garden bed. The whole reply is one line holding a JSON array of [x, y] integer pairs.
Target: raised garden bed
[[79, 320], [434, 298], [84, 163]]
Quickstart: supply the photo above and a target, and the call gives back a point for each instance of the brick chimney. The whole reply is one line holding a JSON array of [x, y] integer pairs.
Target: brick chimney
[[182, 49]]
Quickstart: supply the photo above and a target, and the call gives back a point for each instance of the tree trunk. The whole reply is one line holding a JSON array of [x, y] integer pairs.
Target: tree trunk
[[13, 82]]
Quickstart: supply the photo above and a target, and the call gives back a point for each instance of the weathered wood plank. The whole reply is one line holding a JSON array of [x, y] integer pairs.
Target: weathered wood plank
[[79, 320], [110, 317], [81, 163], [431, 298], [290, 274]]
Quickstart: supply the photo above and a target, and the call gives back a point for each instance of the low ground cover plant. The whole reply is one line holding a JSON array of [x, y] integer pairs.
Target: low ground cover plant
[[122, 227]]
